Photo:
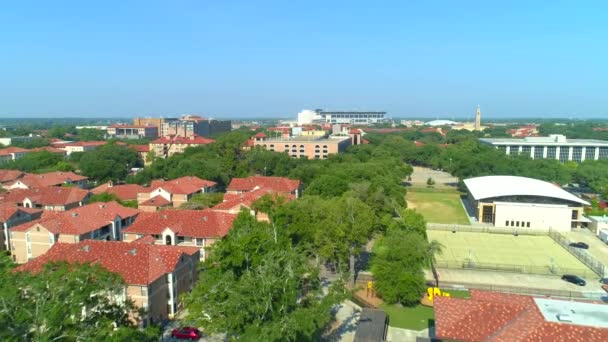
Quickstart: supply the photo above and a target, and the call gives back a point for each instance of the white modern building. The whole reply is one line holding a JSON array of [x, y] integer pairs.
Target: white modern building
[[318, 116], [525, 203], [552, 147]]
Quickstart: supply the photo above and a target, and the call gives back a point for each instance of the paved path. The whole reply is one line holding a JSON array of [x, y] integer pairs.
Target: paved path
[[441, 178], [398, 335], [345, 324], [597, 248]]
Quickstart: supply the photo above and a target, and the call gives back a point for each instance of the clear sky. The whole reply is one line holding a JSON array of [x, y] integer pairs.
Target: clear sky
[[274, 58]]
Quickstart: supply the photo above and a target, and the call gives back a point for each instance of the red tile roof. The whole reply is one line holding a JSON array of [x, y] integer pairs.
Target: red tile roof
[[141, 148], [276, 184], [182, 186], [49, 149], [80, 220], [50, 178], [503, 317], [190, 223], [193, 140], [86, 143], [54, 195], [137, 264], [146, 239], [10, 175], [260, 135], [156, 201], [8, 210], [246, 199], [12, 149], [124, 192]]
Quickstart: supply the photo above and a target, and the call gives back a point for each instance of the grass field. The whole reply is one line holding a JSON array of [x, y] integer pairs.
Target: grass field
[[417, 317], [437, 206], [504, 249]]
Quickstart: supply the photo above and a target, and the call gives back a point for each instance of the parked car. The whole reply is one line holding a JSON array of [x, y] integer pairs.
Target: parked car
[[604, 281], [186, 333], [579, 245], [571, 278]]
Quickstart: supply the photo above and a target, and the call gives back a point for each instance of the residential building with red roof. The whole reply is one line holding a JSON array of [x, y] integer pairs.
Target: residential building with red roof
[[199, 228], [95, 221], [81, 146], [493, 316], [10, 176], [12, 215], [155, 276], [52, 198], [124, 192], [174, 192], [235, 202], [55, 178], [142, 152], [169, 145], [275, 184], [50, 149], [11, 154], [133, 131]]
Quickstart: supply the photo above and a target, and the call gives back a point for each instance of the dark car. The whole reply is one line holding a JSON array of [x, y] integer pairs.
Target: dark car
[[579, 245], [186, 333], [604, 281], [574, 279]]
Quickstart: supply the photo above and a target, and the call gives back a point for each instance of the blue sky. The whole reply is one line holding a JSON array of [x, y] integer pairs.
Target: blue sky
[[273, 58]]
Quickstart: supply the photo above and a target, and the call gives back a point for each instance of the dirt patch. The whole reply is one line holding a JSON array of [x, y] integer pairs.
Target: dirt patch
[[368, 299]]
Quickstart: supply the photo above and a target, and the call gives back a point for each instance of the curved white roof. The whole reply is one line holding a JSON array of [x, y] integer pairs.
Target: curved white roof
[[498, 186], [441, 123]]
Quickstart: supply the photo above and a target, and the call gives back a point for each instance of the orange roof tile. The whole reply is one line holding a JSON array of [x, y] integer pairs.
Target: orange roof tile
[[141, 148], [156, 201], [50, 178], [11, 150], [10, 175], [124, 192], [182, 186], [276, 184], [189, 223], [247, 199], [80, 220], [8, 210], [137, 264], [54, 195]]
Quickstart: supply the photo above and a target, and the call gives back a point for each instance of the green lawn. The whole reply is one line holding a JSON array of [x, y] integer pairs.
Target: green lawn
[[417, 317], [505, 249], [437, 206]]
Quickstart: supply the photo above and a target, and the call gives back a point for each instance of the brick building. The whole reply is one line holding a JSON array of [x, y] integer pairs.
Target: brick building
[[167, 146]]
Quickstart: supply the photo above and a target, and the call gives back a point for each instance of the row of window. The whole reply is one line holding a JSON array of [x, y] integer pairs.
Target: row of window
[[517, 224]]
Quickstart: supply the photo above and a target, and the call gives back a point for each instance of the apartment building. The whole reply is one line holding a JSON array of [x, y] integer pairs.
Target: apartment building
[[53, 198], [96, 221], [301, 146], [41, 180], [133, 131], [11, 154], [155, 276], [168, 146], [174, 192], [198, 228], [280, 185], [12, 215]]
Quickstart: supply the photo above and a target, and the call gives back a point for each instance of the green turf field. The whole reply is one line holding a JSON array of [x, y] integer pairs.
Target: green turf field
[[437, 207], [505, 249]]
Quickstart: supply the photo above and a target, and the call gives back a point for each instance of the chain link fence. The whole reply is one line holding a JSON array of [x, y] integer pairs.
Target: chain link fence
[[579, 253], [554, 269], [486, 229]]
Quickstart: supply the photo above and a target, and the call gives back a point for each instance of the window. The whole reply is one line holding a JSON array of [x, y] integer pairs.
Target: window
[[603, 154], [487, 214], [517, 224], [551, 152], [180, 239], [526, 150], [512, 223], [577, 153], [528, 224], [538, 152], [575, 214], [198, 242], [564, 151], [507, 223], [144, 291]]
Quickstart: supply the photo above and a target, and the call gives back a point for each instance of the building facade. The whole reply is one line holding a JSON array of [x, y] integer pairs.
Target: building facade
[[318, 116], [193, 125], [311, 148], [524, 203], [133, 131], [167, 146], [554, 146], [11, 154]]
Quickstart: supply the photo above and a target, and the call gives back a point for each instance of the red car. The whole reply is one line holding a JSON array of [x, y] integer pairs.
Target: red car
[[186, 333]]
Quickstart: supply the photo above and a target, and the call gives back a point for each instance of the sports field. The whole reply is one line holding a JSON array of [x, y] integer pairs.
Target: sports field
[[437, 206], [533, 252]]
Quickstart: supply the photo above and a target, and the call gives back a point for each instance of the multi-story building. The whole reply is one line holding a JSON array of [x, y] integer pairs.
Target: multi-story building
[[41, 180], [167, 146], [174, 192], [51, 198], [318, 116], [158, 122], [193, 125], [12, 215], [554, 146], [11, 154], [133, 131], [155, 276], [309, 147], [198, 228], [96, 221]]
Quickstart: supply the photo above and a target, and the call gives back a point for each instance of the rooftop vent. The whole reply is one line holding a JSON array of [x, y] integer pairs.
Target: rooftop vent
[[101, 206], [562, 317], [85, 248], [74, 214], [164, 216], [133, 251], [205, 218]]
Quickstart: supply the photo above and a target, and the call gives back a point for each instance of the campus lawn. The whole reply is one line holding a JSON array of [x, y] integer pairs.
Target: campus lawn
[[437, 206], [417, 317]]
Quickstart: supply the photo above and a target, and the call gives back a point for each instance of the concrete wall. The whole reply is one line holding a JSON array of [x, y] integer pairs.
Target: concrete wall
[[539, 216]]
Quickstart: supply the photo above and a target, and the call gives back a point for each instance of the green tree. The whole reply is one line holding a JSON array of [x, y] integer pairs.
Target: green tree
[[203, 201], [108, 162], [107, 197]]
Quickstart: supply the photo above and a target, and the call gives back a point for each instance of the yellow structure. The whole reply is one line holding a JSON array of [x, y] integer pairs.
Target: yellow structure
[[435, 291]]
